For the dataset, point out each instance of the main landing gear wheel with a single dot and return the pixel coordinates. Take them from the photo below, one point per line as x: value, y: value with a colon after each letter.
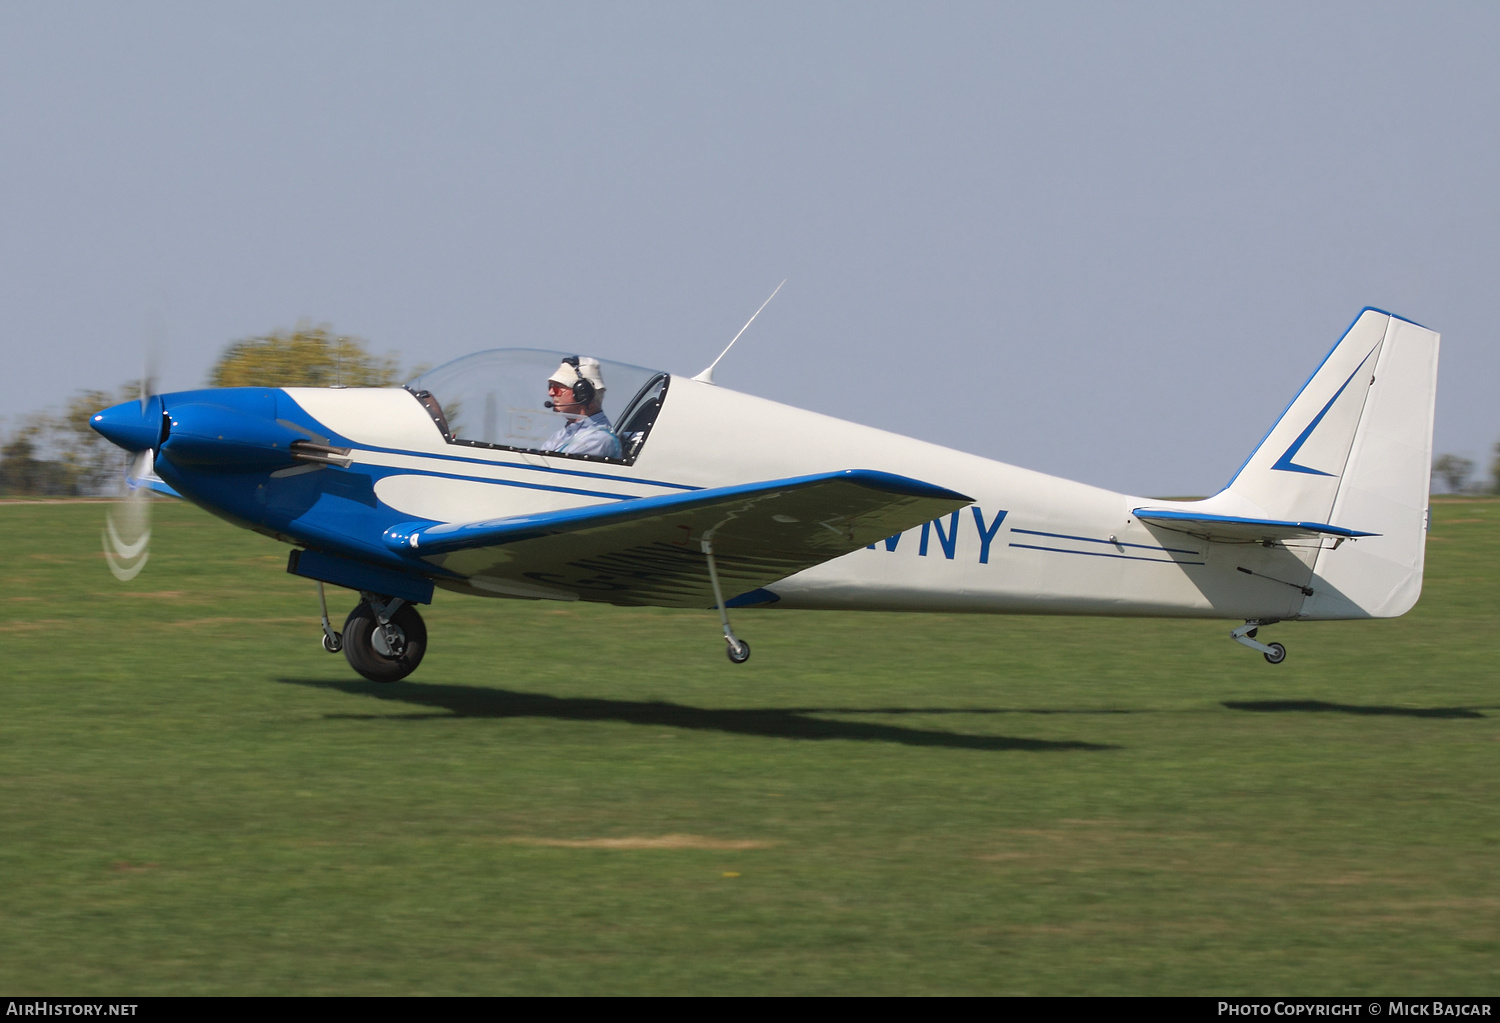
x: 384, y: 653
x: 738, y: 654
x: 1277, y: 654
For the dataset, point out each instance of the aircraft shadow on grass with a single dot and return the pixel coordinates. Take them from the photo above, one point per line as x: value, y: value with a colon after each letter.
x: 1372, y: 710
x: 769, y: 722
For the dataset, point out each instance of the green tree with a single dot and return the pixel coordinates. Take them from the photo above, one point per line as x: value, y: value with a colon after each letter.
x: 306, y: 357
x: 22, y: 472
x: 60, y: 454
x: 91, y: 462
x: 1453, y: 471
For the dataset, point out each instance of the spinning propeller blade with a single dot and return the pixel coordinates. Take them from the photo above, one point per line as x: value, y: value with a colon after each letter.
x: 127, y: 525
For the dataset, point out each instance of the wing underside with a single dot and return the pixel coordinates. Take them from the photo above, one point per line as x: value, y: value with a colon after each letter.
x: 650, y: 551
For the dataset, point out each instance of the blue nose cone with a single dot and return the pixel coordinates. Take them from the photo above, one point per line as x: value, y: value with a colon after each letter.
x: 130, y: 426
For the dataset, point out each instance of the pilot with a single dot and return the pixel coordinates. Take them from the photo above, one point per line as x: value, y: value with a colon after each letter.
x: 577, y: 391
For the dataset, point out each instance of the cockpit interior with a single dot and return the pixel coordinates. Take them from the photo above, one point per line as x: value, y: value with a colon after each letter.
x: 495, y: 399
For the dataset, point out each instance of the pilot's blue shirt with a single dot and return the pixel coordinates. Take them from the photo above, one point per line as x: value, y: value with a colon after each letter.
x: 592, y: 435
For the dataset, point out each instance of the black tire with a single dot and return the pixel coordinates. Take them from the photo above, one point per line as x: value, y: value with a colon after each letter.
x: 740, y: 656
x: 333, y: 644
x: 360, y: 649
x: 1277, y: 654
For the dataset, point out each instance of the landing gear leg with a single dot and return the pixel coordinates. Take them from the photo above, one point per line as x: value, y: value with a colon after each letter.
x: 1274, y: 653
x: 739, y: 650
x: 333, y: 641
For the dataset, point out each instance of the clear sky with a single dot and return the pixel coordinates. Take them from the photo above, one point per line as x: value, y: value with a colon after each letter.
x: 1106, y: 241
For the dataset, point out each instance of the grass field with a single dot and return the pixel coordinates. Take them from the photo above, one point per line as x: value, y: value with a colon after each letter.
x: 194, y: 798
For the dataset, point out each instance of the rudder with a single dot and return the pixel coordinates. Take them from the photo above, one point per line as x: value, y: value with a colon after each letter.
x: 1384, y: 487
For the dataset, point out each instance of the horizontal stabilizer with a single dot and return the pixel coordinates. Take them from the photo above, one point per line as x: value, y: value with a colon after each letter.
x: 1234, y: 529
x: 649, y: 550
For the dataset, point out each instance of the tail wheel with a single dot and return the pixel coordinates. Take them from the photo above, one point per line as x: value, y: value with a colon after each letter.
x: 1277, y: 654
x: 384, y: 653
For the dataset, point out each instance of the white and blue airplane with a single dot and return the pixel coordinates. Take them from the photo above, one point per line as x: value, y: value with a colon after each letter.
x: 720, y: 500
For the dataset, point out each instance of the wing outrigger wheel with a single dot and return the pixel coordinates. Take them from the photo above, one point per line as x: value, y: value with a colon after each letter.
x: 384, y: 641
x: 739, y: 650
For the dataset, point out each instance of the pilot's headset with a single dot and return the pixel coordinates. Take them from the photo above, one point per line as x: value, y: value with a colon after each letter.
x: 583, y: 387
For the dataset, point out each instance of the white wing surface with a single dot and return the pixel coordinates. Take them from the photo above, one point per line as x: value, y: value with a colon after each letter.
x: 649, y: 550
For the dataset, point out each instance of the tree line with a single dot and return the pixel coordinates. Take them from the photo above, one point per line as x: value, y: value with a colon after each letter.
x: 1455, y: 474
x: 56, y: 453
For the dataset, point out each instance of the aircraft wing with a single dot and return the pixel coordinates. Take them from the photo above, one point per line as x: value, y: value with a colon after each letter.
x: 1234, y: 529
x: 649, y: 550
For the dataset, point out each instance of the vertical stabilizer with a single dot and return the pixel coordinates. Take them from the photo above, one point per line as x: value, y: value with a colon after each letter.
x: 1353, y: 451
x: 1298, y: 469
x: 1384, y: 487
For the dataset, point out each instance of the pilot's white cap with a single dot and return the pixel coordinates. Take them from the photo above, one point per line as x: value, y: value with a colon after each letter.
x: 588, y: 368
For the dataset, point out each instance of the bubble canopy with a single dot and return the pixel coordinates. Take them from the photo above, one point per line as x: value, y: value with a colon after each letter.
x: 495, y: 399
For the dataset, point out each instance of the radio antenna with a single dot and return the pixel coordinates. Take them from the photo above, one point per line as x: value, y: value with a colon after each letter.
x: 707, y: 376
